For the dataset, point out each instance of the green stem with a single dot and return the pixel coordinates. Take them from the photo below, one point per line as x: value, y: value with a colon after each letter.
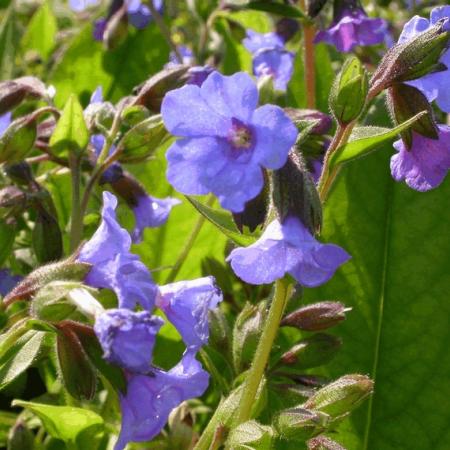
x: 256, y: 371
x: 189, y: 244
x: 76, y: 223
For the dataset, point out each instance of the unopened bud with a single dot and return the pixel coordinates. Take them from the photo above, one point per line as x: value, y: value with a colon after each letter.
x: 406, y: 102
x: 20, y: 437
x: 251, y: 435
x: 411, y: 59
x: 300, y: 423
x: 153, y: 90
x: 349, y: 91
x: 13, y: 92
x: 19, y: 172
x: 294, y: 193
x: 315, y: 122
x: 323, y: 443
x: 134, y: 114
x: 12, y: 197
x: 314, y: 351
x: 101, y: 113
x: 287, y: 28
x: 219, y: 330
x: 313, y: 7
x: 18, y: 139
x: 316, y: 317
x: 342, y: 396
x: 116, y: 29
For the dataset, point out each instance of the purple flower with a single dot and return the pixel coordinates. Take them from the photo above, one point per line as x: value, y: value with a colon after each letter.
x: 187, y: 57
x: 186, y: 305
x: 279, y: 64
x: 151, y: 212
x: 5, y: 121
x: 435, y: 86
x: 113, y: 265
x: 287, y: 248
x: 352, y: 27
x: 198, y: 74
x: 99, y: 29
x: 128, y: 338
x: 150, y: 398
x: 225, y: 141
x: 425, y: 165
x: 257, y: 41
x: 81, y: 5
x: 8, y: 281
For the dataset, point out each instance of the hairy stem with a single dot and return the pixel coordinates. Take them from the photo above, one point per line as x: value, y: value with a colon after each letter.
x: 189, y: 244
x: 261, y: 357
x: 76, y: 223
x: 309, y: 32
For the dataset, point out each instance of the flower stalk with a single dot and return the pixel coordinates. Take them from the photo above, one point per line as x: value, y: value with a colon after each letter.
x: 76, y: 225
x: 309, y: 32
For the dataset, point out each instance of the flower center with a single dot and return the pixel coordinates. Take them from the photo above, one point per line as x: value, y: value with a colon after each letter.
x: 240, y: 135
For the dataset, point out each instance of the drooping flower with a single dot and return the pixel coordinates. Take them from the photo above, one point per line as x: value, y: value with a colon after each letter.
x: 127, y: 338
x: 436, y: 85
x: 287, y: 248
x: 351, y: 27
x: 186, y: 305
x: 426, y: 164
x: 226, y: 141
x: 8, y: 281
x: 150, y: 398
x: 270, y: 57
x: 113, y: 265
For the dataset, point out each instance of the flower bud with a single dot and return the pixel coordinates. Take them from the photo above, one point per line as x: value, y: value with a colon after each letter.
x: 246, y: 334
x: 101, y: 113
x: 314, y: 351
x: 116, y: 29
x: 219, y: 330
x: 13, y: 92
x: 316, y: 317
x: 294, y: 193
x: 412, y: 59
x: 349, y: 91
x: 404, y: 103
x: 134, y: 114
x: 320, y: 122
x: 300, y: 424
x: 20, y: 437
x: 323, y: 443
x: 251, y: 435
x: 153, y: 90
x: 19, y: 172
x: 287, y: 27
x: 342, y: 396
x: 12, y: 197
x: 18, y: 139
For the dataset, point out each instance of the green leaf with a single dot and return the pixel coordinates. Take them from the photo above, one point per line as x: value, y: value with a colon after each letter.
x: 20, y: 355
x: 75, y: 426
x: 8, y: 44
x: 70, y: 132
x: 41, y: 32
x: 397, y: 285
x: 222, y: 220
x: 367, y: 139
x: 7, y: 237
x: 277, y: 8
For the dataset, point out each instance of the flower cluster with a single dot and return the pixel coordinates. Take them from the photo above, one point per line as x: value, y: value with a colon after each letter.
x: 351, y: 27
x: 270, y: 58
x: 128, y: 336
x: 226, y: 140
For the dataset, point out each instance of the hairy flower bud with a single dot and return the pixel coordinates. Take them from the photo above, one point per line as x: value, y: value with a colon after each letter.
x: 316, y: 317
x: 342, y: 396
x: 320, y: 122
x: 251, y: 435
x: 314, y: 351
x: 20, y: 437
x: 18, y: 139
x: 406, y: 102
x: 19, y: 172
x: 300, y: 423
x: 323, y: 443
x: 13, y: 92
x: 412, y: 59
x: 349, y: 91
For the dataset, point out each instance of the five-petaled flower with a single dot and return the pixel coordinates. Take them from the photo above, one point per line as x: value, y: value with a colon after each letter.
x: 226, y: 140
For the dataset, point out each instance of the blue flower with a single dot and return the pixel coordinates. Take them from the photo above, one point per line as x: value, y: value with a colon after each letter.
x: 186, y: 305
x: 113, y: 265
x: 127, y: 338
x: 226, y: 141
x: 352, y: 27
x: 8, y: 281
x: 5, y: 121
x: 198, y: 74
x: 150, y: 398
x: 81, y: 5
x: 187, y: 57
x: 426, y: 164
x: 435, y: 86
x: 258, y: 41
x: 287, y: 248
x: 150, y: 212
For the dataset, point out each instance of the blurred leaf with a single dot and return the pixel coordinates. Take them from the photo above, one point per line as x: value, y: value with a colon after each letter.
x: 7, y: 236
x: 8, y: 44
x: 367, y: 139
x: 20, y: 355
x: 7, y: 420
x: 75, y: 426
x: 71, y: 131
x: 397, y: 285
x: 280, y: 9
x: 41, y: 32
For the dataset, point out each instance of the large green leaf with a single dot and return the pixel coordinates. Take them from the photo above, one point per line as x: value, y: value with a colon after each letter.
x: 79, y: 428
x: 8, y: 44
x: 397, y: 284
